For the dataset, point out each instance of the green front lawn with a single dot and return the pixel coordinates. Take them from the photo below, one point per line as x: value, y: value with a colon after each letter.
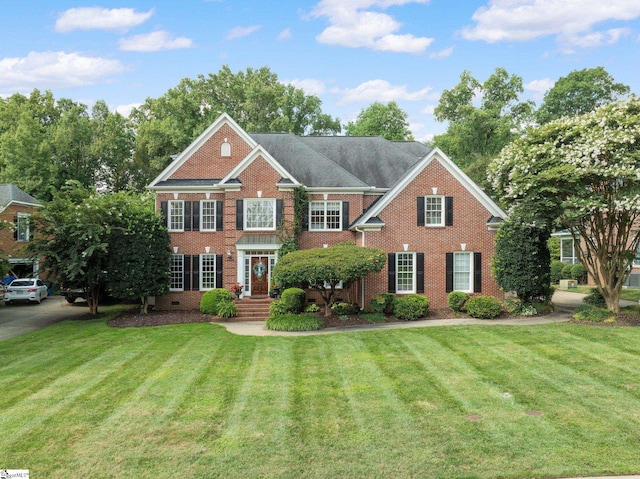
x: 80, y: 399
x: 629, y: 294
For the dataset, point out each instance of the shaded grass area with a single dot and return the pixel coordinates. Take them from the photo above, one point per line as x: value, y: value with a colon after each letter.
x: 443, y: 402
x: 629, y: 294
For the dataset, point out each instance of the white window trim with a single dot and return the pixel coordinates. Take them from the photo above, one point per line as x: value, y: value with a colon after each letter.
x: 22, y: 217
x: 340, y: 285
x: 442, y: 211
x: 324, y: 228
x: 413, y: 273
x: 470, y: 255
x: 246, y: 203
x: 177, y: 289
x: 202, y: 256
x: 170, y: 204
x: 215, y: 207
x: 573, y: 259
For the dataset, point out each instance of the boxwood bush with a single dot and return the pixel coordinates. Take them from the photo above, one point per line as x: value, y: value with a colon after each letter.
x: 411, y: 307
x: 278, y: 308
x: 566, y: 271
x: 294, y: 322
x: 294, y: 300
x: 212, y: 298
x: 579, y: 273
x: 383, y: 303
x: 345, y: 308
x: 556, y: 271
x: 484, y: 307
x: 457, y: 300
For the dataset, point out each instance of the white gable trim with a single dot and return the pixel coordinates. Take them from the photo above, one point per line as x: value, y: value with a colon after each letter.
x: 201, y: 140
x: 250, y: 158
x: 452, y: 168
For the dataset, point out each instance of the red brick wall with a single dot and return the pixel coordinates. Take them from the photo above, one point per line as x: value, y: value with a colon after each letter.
x: 8, y: 245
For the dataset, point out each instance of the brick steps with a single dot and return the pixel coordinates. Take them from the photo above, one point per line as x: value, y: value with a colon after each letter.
x: 253, y: 309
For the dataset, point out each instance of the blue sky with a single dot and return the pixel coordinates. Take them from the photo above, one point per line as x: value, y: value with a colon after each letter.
x: 350, y: 53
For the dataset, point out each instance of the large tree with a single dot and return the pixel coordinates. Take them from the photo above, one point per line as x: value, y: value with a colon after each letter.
x: 322, y: 269
x: 580, y: 92
x: 583, y: 172
x: 388, y: 121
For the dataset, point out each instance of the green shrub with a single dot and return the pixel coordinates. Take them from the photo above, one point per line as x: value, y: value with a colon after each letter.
x: 211, y: 299
x: 294, y: 322
x: 594, y: 298
x: 556, y: 271
x: 579, y: 273
x: 484, y: 307
x: 457, y: 299
x: 566, y: 271
x: 383, y: 303
x: 278, y: 308
x: 227, y: 309
x: 345, y: 308
x: 411, y: 307
x: 513, y: 306
x: 294, y: 300
x: 374, y: 317
x: 586, y: 312
x: 312, y: 308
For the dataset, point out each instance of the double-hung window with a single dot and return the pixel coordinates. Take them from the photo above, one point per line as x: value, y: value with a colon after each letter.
x: 260, y: 214
x: 325, y: 215
x: 176, y: 215
x: 434, y: 210
x: 22, y: 227
x: 462, y: 272
x: 568, y: 251
x: 177, y: 273
x: 207, y: 271
x: 405, y: 273
x: 207, y: 215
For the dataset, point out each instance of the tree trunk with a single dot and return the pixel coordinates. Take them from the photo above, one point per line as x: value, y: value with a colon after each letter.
x: 612, y: 298
x: 144, y: 309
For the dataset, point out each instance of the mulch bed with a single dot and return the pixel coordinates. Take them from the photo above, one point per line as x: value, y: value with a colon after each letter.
x: 624, y: 320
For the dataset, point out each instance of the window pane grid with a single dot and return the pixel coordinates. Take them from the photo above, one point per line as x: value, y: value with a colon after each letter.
x: 207, y: 271
x: 176, y: 215
x: 260, y: 214
x: 177, y: 272
x: 23, y: 227
x: 433, y: 210
x: 462, y: 271
x: 325, y: 215
x: 208, y: 215
x: 404, y: 272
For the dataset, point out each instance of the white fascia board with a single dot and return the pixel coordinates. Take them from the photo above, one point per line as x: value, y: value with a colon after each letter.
x: 250, y: 158
x: 197, y: 144
x: 23, y: 203
x: 341, y: 191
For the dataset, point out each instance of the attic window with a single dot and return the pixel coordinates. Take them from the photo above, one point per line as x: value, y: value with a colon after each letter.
x: 225, y: 148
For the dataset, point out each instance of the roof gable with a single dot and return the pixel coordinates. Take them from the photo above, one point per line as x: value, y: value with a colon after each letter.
x: 11, y: 194
x: 258, y: 152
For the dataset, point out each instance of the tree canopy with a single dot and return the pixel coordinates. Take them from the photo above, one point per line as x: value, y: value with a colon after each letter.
x: 388, y: 121
x: 322, y: 269
x: 584, y: 172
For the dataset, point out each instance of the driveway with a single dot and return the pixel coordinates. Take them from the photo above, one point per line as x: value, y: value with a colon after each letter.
x: 18, y: 319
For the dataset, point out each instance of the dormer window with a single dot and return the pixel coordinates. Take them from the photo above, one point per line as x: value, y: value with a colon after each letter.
x: 225, y: 148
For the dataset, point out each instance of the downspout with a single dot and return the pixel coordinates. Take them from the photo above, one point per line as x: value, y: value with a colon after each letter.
x: 362, y: 280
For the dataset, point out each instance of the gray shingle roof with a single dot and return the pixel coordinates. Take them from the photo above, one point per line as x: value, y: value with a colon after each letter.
x: 11, y: 193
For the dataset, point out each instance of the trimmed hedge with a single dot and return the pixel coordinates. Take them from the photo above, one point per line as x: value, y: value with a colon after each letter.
x: 294, y: 300
x: 566, y: 271
x: 556, y: 271
x: 411, y: 307
x: 484, y: 307
x: 457, y: 300
x: 383, y: 303
x: 294, y: 322
x: 212, y: 298
x: 579, y: 273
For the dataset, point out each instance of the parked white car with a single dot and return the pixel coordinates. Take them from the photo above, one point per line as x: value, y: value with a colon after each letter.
x: 26, y: 289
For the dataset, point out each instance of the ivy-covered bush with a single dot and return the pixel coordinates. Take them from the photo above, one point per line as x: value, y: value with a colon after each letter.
x: 213, y: 298
x: 383, y: 303
x: 484, y: 307
x: 516, y: 307
x: 556, y: 271
x: 411, y: 307
x: 278, y: 308
x: 294, y: 300
x: 566, y: 271
x: 294, y: 322
x: 594, y: 298
x: 579, y: 273
x: 345, y: 308
x: 227, y: 309
x: 457, y: 300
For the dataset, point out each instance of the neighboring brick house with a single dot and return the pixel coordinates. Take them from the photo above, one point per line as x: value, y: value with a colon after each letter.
x: 16, y: 207
x: 225, y: 195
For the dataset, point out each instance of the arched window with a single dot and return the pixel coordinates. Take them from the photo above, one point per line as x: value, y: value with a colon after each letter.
x: 225, y: 148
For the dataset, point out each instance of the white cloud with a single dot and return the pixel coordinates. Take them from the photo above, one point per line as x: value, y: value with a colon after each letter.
x: 571, y: 21
x: 154, y: 42
x: 354, y: 25
x: 442, y: 54
x: 428, y: 110
x: 125, y: 110
x: 55, y: 70
x: 540, y: 86
x: 382, y: 91
x: 240, y: 32
x: 284, y: 34
x: 310, y: 86
x: 97, y: 18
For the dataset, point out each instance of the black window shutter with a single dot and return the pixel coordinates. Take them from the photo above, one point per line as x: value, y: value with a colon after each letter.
x: 195, y: 211
x: 195, y: 273
x: 420, y: 210
x: 391, y: 266
x: 218, y: 271
x: 15, y: 228
x: 345, y: 215
x: 187, y: 215
x: 448, y: 211
x: 477, y: 272
x: 279, y: 212
x: 239, y: 215
x: 186, y: 264
x: 164, y: 212
x: 449, y: 275
x: 419, y: 272
x: 219, y: 216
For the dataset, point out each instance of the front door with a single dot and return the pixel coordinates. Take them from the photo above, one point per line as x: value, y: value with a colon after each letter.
x: 259, y: 275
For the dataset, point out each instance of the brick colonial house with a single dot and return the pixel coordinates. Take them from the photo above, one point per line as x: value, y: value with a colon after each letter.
x: 225, y: 195
x: 16, y: 207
